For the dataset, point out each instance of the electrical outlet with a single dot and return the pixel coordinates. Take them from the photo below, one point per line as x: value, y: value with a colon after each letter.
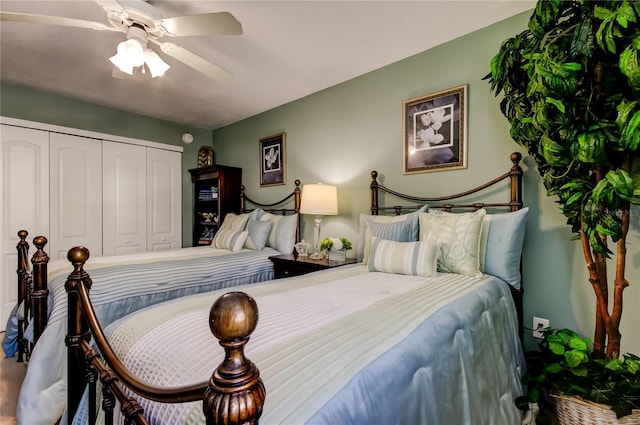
x: 538, y: 325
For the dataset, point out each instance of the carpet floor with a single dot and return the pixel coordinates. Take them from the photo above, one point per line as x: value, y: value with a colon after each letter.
x: 11, y: 377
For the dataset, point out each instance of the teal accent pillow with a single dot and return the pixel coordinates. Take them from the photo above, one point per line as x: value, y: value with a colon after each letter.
x: 282, y: 235
x: 459, y: 236
x: 408, y: 258
x: 501, y: 245
x: 258, y: 234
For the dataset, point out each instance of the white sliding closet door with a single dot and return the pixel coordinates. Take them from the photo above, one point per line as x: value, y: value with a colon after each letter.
x: 76, y: 194
x: 164, y: 197
x: 124, y: 198
x: 24, y: 184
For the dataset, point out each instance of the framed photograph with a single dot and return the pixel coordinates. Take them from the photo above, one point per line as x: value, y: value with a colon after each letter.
x: 273, y: 170
x: 435, y: 131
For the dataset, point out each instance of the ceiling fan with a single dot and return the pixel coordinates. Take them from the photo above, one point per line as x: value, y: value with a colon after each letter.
x: 143, y: 23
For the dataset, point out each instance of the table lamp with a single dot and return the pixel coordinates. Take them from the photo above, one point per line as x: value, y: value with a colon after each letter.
x: 319, y: 199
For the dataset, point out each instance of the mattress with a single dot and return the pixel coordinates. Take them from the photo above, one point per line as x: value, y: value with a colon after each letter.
x: 122, y: 285
x: 346, y: 346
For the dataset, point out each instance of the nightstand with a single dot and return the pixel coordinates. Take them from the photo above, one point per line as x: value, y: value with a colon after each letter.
x: 290, y: 265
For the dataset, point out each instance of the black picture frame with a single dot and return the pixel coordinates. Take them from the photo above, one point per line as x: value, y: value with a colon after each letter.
x: 273, y: 168
x: 435, y: 131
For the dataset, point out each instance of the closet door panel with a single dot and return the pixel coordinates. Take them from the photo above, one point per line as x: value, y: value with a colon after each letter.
x: 124, y: 198
x: 24, y: 183
x: 164, y: 195
x: 76, y: 194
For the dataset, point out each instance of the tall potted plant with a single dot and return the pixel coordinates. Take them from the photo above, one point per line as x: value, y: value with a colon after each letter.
x: 571, y: 86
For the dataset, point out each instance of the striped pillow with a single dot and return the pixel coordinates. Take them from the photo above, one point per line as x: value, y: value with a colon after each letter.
x: 258, y: 234
x: 398, y: 231
x: 409, y: 258
x: 232, y: 240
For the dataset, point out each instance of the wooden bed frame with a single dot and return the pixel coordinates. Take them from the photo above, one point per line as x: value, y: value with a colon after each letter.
x: 234, y: 393
x: 32, y: 284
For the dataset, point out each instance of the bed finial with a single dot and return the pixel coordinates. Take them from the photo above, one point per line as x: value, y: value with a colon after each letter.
x: 235, y: 394
x: 516, y: 157
x: 22, y: 234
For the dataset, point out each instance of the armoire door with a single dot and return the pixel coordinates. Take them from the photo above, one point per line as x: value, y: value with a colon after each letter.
x: 24, y: 184
x: 76, y: 194
x: 164, y: 199
x: 124, y: 191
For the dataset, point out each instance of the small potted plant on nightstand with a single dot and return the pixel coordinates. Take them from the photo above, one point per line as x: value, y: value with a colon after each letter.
x: 336, y: 248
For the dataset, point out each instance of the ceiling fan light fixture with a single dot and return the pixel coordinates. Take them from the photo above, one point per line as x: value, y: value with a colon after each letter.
x: 156, y: 65
x: 122, y: 63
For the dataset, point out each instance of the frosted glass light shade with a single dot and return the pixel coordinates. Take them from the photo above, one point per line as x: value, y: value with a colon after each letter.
x: 319, y: 199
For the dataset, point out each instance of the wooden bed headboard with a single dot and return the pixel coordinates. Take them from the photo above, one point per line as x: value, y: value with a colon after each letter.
x: 515, y: 202
x: 278, y: 207
x: 514, y: 176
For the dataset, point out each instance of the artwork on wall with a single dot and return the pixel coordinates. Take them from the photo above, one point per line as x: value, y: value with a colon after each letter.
x: 272, y: 160
x: 435, y: 131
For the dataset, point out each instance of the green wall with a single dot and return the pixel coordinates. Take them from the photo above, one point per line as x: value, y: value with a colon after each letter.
x: 340, y: 134
x: 31, y: 105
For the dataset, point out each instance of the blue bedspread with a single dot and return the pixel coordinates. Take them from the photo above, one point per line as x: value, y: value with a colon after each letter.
x: 348, y: 346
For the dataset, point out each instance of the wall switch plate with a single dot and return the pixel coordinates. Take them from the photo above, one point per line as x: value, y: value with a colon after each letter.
x: 538, y: 325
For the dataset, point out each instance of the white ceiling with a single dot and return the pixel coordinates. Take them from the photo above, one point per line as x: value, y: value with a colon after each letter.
x: 289, y: 50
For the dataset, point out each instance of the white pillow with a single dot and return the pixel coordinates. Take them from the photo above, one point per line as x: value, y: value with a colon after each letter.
x: 232, y: 240
x: 282, y: 235
x: 409, y: 258
x: 459, y: 235
x: 258, y: 234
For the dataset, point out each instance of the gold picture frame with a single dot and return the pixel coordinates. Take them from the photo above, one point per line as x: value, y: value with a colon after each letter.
x: 273, y: 168
x: 435, y: 131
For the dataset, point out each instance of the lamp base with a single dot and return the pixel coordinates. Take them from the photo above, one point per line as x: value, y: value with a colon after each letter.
x: 316, y: 256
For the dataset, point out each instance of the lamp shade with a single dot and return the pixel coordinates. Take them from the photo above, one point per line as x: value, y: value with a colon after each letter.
x: 319, y: 199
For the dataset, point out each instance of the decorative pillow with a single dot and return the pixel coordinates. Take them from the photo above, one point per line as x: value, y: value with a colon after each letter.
x: 258, y: 234
x: 410, y: 258
x: 256, y: 214
x: 501, y: 245
x: 398, y: 231
x: 459, y: 235
x: 364, y: 237
x: 232, y: 240
x: 235, y: 222
x: 282, y: 235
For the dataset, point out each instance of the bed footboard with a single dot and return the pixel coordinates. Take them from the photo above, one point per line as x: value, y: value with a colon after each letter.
x: 32, y: 292
x: 234, y: 395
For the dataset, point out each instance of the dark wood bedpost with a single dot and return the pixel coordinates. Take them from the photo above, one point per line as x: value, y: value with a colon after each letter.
x: 77, y: 329
x: 374, y: 192
x: 515, y: 174
x: 40, y: 292
x: 23, y: 291
x: 297, y: 198
x: 235, y: 394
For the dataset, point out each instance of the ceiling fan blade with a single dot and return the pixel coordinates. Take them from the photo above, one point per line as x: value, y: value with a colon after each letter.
x: 194, y: 61
x: 54, y: 20
x: 112, y: 7
x: 220, y: 23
